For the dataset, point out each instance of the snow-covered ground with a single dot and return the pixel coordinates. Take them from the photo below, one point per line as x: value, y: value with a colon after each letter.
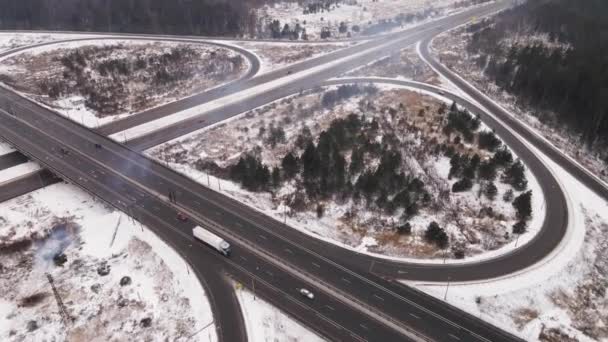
x: 9, y: 40
x: 17, y: 171
x: 278, y: 55
x: 241, y: 134
x: 266, y: 323
x: 5, y: 148
x: 562, y: 298
x: 189, y: 69
x: 161, y: 299
x: 361, y: 13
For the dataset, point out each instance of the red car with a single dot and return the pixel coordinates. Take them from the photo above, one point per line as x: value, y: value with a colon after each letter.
x: 182, y: 217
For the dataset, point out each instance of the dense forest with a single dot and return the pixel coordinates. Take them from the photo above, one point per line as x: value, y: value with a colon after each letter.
x: 198, y: 17
x: 562, y: 66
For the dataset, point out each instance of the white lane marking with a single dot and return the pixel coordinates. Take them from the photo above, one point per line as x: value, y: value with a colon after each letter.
x: 375, y: 295
x: 363, y: 326
x: 346, y: 280
x: 262, y: 236
x: 242, y: 257
x: 454, y: 337
x: 415, y: 316
x: 288, y: 250
x: 316, y: 265
x: 330, y: 308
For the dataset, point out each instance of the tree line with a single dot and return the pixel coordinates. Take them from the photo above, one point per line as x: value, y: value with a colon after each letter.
x: 196, y: 17
x: 568, y: 76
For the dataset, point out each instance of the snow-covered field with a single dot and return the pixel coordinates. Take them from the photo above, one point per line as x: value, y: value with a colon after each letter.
x: 160, y: 299
x: 278, y: 55
x: 266, y: 323
x: 564, y: 297
x: 189, y: 153
x: 96, y: 82
x: 366, y: 14
x: 9, y: 40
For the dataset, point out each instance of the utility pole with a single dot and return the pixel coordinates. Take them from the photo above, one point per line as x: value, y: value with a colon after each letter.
x: 445, y: 296
x: 63, y: 312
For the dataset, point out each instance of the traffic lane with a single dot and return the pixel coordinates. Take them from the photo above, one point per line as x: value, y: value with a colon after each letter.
x: 128, y: 200
x: 400, y: 41
x: 377, y: 297
x: 338, y: 319
x: 77, y: 172
x: 216, y: 213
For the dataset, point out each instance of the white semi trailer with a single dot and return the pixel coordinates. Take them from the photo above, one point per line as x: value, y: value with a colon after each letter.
x: 212, y: 240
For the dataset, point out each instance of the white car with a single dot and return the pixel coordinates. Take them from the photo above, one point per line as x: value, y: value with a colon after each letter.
x: 304, y: 292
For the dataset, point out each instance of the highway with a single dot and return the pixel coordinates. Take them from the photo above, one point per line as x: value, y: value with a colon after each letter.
x: 101, y: 174
x: 387, y: 309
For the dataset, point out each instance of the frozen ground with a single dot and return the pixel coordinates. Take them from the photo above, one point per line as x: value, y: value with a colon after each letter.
x: 404, y: 65
x: 564, y: 297
x: 266, y: 323
x: 95, y: 82
x: 370, y: 16
x: 17, y: 171
x: 277, y: 55
x: 9, y: 41
x: 190, y: 154
x: 5, y: 148
x: 160, y: 300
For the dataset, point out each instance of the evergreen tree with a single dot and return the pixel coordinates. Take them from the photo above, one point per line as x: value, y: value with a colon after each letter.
x: 435, y: 234
x: 515, y: 176
x: 276, y: 177
x: 490, y: 190
x: 290, y: 165
x: 523, y: 205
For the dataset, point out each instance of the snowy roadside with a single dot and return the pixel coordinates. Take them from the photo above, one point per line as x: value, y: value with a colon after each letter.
x: 356, y: 18
x: 266, y: 323
x: 559, y: 299
x: 118, y: 279
x: 10, y: 40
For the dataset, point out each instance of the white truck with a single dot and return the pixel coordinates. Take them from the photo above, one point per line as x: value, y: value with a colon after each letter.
x: 212, y: 240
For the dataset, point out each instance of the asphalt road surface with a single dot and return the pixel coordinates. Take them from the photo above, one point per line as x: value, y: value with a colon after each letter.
x: 387, y: 304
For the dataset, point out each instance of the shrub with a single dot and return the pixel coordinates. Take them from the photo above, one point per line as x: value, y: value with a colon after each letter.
x: 435, y: 234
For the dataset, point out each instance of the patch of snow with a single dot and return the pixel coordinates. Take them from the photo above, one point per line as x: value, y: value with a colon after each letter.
x: 162, y: 286
x: 535, y: 288
x: 5, y: 148
x: 18, y: 171
x: 266, y: 323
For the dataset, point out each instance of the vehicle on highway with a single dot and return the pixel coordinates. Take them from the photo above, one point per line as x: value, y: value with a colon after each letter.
x: 98, y: 146
x: 441, y: 92
x: 182, y: 217
x: 212, y: 240
x: 306, y: 293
